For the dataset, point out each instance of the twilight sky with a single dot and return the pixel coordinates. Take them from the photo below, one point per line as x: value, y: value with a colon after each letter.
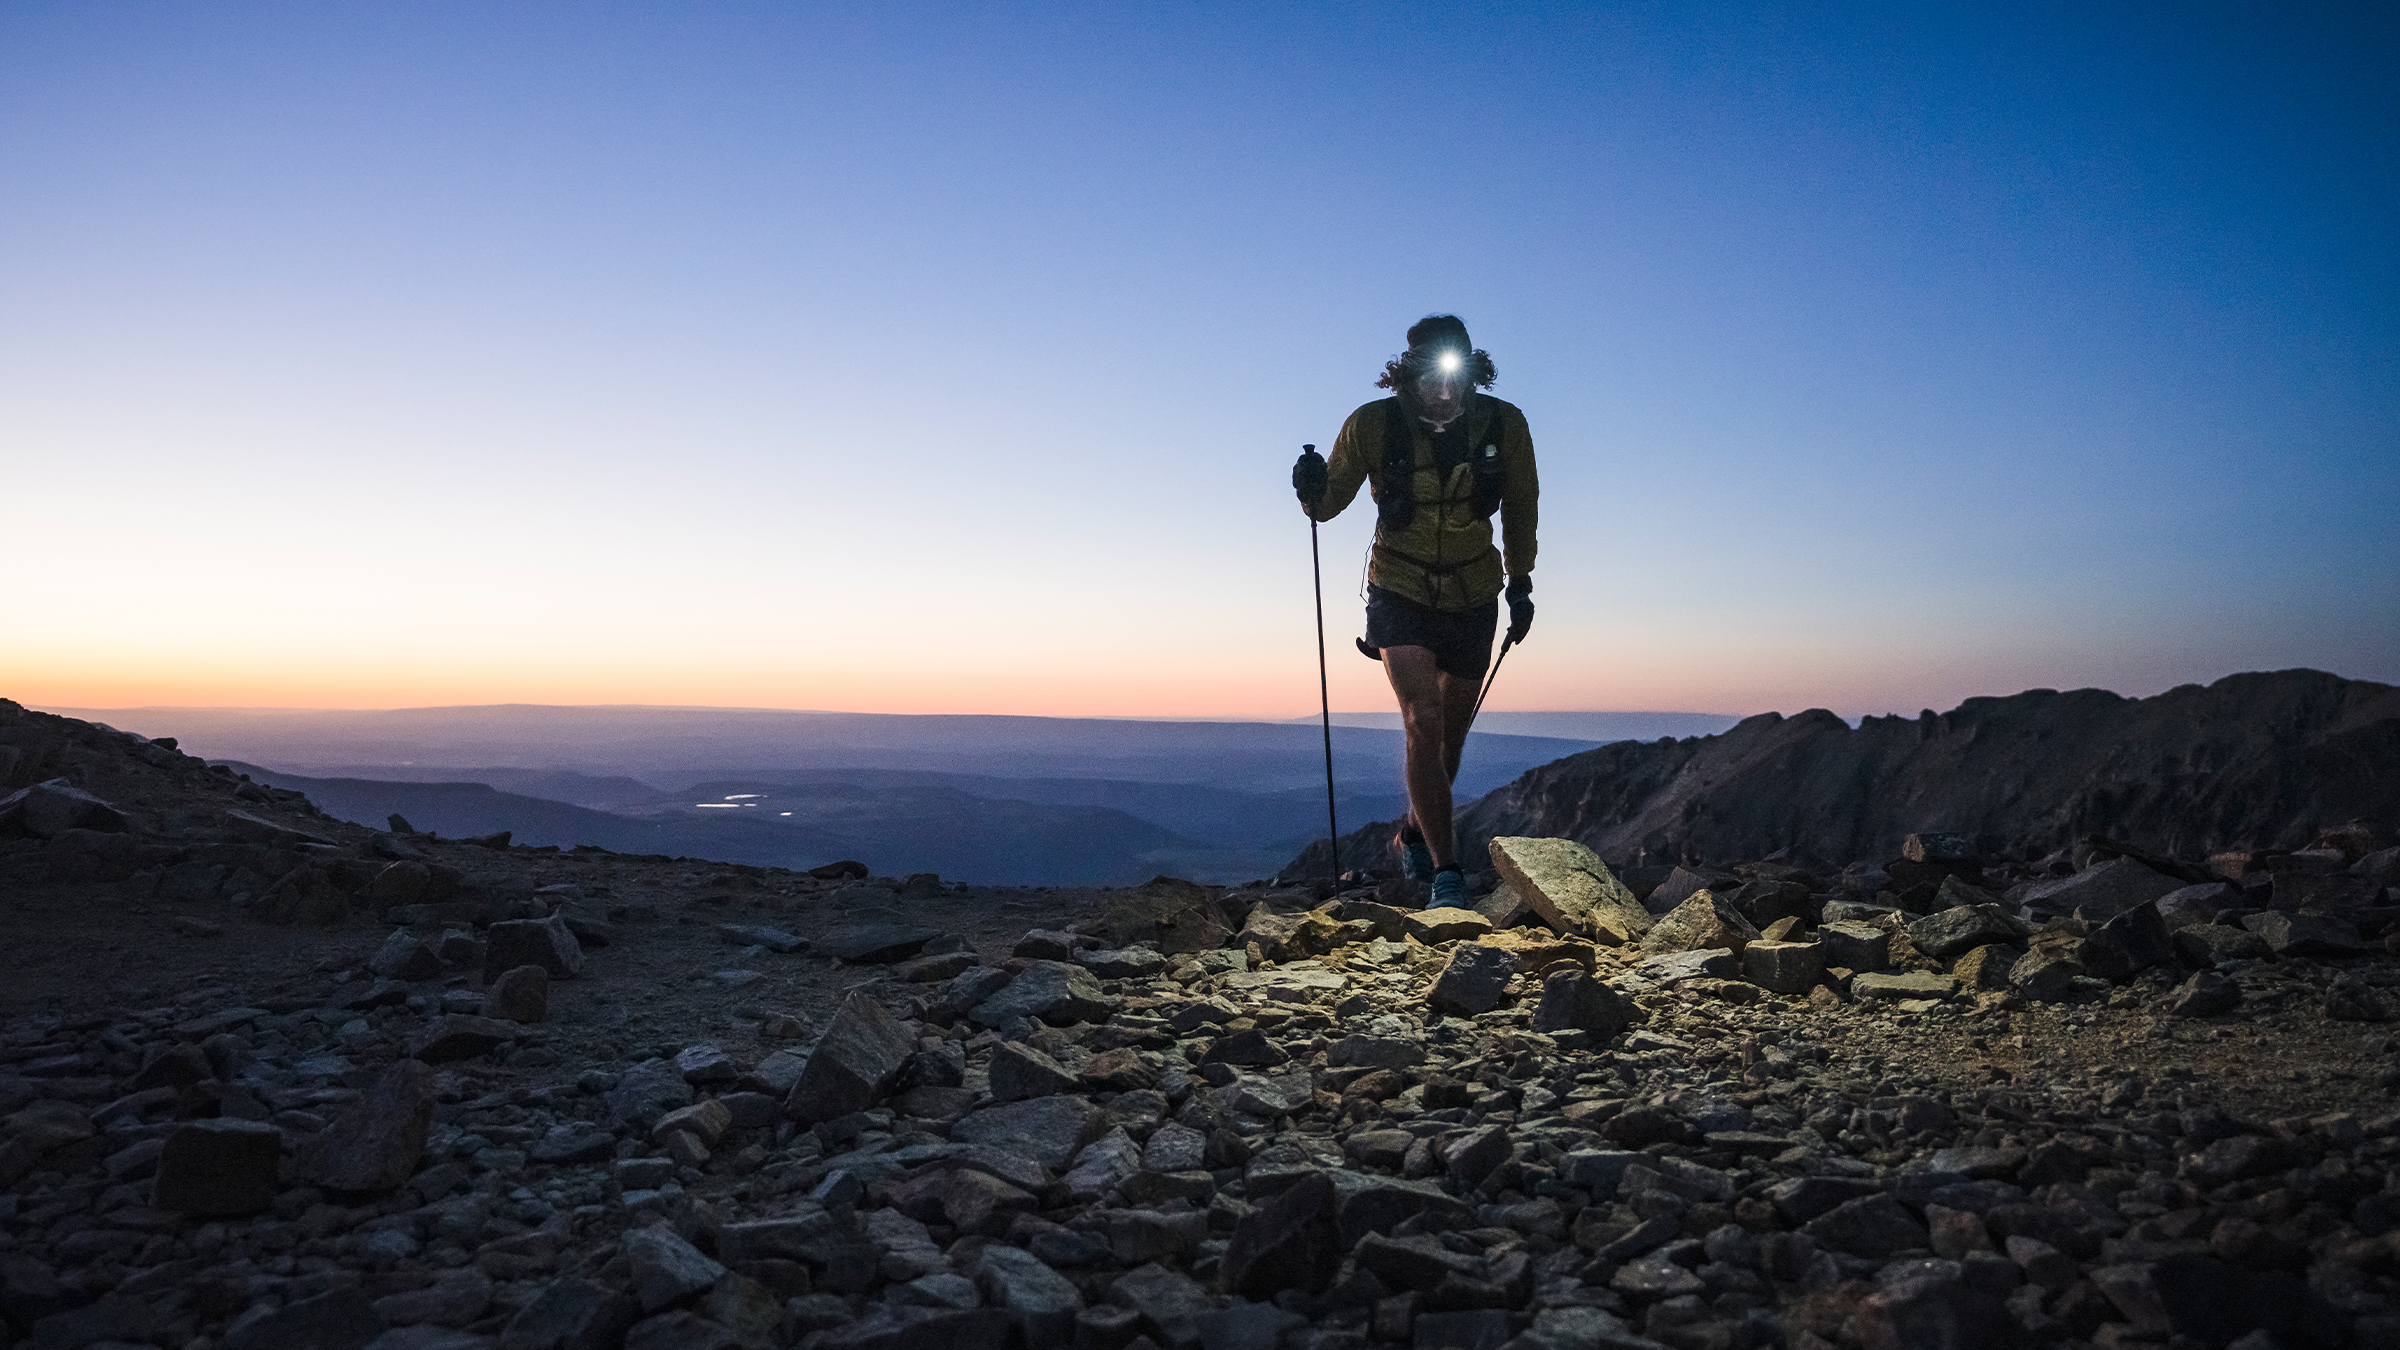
x: 912, y: 358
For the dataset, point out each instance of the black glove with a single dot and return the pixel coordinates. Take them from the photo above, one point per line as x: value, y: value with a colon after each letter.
x: 1308, y: 476
x: 1520, y: 607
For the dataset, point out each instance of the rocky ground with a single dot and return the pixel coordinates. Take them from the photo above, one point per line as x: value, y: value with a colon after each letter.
x: 271, y: 1080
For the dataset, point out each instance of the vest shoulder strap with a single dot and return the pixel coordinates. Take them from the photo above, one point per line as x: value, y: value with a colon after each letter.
x: 1491, y: 472
x: 1397, y: 506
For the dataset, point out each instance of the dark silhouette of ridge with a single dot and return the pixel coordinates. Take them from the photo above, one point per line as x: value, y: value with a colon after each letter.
x: 2261, y: 760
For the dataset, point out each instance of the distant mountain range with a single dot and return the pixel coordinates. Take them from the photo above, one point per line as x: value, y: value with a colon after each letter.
x: 1597, y: 727
x: 682, y: 745
x: 898, y: 830
x: 999, y: 800
x: 2252, y: 761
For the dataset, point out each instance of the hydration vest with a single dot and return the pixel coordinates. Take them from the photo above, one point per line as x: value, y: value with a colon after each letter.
x: 1397, y: 507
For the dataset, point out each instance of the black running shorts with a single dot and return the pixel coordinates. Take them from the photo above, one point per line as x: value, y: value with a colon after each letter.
x: 1461, y: 639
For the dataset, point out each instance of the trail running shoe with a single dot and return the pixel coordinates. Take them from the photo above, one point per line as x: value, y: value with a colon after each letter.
x: 1416, y: 860
x: 1449, y: 889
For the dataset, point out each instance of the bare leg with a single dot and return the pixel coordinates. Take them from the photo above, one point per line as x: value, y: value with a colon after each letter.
x: 1434, y: 711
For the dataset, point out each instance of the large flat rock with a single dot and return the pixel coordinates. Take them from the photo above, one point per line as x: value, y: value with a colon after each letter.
x: 1570, y: 888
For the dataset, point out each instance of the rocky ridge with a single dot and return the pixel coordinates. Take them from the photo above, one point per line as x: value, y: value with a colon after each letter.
x: 341, y: 1087
x: 2254, y: 761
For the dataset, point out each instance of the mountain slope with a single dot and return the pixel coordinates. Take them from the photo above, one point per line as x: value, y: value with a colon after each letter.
x: 2253, y: 760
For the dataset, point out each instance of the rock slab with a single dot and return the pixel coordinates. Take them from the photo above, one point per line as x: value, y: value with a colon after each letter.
x: 547, y: 943
x: 376, y: 1144
x: 1570, y: 888
x: 853, y: 1065
x: 218, y: 1168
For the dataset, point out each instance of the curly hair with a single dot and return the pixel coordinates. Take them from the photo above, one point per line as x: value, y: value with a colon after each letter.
x: 1428, y: 338
x: 1401, y: 372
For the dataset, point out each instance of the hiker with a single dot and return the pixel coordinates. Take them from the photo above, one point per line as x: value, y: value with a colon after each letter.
x: 1439, y: 458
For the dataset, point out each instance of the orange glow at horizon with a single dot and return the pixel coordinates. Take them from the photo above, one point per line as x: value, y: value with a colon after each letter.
x: 1567, y: 676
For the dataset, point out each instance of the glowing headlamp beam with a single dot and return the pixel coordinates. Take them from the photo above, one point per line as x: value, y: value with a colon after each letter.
x: 1448, y: 363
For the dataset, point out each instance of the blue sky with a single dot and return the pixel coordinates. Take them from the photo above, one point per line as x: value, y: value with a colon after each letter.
x: 908, y: 358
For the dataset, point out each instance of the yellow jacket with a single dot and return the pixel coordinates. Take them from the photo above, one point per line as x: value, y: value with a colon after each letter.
x: 1445, y: 557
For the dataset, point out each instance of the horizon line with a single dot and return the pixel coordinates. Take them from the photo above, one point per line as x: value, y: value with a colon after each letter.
x: 67, y: 709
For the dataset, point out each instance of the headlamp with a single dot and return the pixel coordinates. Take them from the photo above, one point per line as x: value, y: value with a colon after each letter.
x: 1449, y: 361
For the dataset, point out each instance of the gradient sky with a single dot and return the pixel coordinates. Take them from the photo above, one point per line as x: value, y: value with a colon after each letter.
x: 951, y: 359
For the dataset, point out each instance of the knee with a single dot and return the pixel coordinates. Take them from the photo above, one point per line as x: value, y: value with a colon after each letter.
x: 1424, y: 723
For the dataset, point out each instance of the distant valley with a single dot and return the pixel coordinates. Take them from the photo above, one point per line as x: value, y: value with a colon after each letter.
x: 997, y: 800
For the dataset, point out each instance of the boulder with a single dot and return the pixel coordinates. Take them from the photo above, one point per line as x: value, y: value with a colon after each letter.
x: 1681, y: 884
x: 457, y: 1036
x: 704, y: 1121
x: 547, y: 943
x: 1855, y: 946
x: 1289, y: 935
x: 404, y: 956
x: 1707, y: 963
x: 1702, y: 921
x: 1570, y: 888
x: 1101, y: 1165
x: 1436, y: 926
x: 853, y: 1064
x: 1018, y: 1071
x: 1949, y: 932
x: 1041, y: 1303
x: 1954, y: 893
x: 2318, y: 936
x: 1118, y: 1070
x: 1049, y: 1130
x: 1380, y: 1052
x: 1987, y: 967
x: 49, y: 809
x: 876, y: 944
x: 1913, y: 985
x: 1292, y: 1241
x: 1250, y: 1048
x: 2100, y: 892
x: 1383, y: 920
x: 966, y: 989
x: 218, y: 1168
x: 1572, y: 1000
x: 375, y: 1144
x: 2049, y: 969
x: 1871, y: 1226
x: 1268, y: 1095
x: 664, y: 1268
x: 1046, y: 991
x: 1784, y: 967
x: 519, y: 995
x: 1506, y: 907
x: 1125, y: 963
x: 2133, y: 941
x: 644, y: 1093
x: 1473, y: 981
x: 2199, y: 904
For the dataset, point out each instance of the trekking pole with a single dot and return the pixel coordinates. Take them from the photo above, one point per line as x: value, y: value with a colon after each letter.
x: 1489, y: 676
x: 1316, y: 573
